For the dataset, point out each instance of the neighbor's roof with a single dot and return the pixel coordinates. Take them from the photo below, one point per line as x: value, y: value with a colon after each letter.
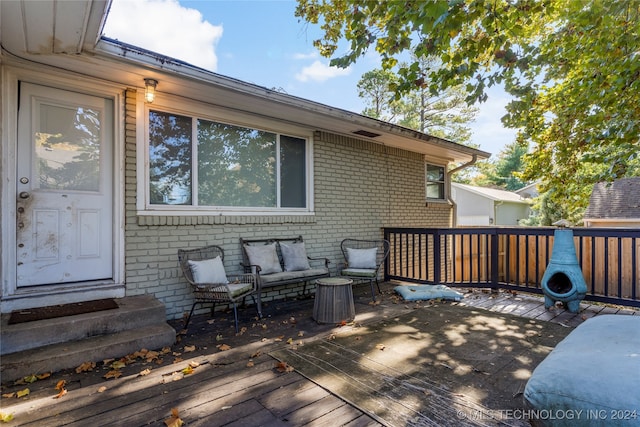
x: 620, y: 199
x: 492, y: 193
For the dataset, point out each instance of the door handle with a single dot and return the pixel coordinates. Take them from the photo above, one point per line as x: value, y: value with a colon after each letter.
x: 24, y: 195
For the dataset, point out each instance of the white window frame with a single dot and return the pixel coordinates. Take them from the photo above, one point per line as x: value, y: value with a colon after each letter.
x: 190, y: 108
x: 427, y: 181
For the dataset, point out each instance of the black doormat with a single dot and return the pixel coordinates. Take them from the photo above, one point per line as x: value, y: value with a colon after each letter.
x: 53, y: 311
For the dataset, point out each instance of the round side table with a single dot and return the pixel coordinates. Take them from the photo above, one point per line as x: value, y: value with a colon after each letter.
x: 334, y: 301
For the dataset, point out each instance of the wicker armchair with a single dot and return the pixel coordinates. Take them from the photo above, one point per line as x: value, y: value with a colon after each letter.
x: 238, y: 287
x: 363, y: 259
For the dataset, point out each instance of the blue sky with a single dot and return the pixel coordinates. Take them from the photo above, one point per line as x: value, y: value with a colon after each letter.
x: 262, y: 42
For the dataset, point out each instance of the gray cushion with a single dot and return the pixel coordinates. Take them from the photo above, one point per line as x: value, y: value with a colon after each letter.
x: 292, y: 275
x: 265, y: 256
x: 594, y: 372
x: 362, y: 258
x: 294, y: 256
x: 359, y: 272
x: 208, y: 271
x: 427, y: 292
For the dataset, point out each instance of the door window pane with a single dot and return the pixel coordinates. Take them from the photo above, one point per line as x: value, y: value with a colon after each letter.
x: 67, y: 148
x: 169, y: 159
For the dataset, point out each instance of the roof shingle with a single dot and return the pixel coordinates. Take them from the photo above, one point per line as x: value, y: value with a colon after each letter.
x: 620, y: 199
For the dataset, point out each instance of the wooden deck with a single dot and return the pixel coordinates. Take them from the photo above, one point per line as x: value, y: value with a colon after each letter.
x: 240, y: 386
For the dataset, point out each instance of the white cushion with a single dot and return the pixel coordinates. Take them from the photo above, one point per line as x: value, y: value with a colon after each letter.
x: 362, y: 258
x: 265, y: 256
x: 208, y: 271
x: 294, y: 256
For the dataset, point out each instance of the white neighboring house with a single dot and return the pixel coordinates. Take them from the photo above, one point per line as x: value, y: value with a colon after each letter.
x: 529, y: 192
x: 482, y: 206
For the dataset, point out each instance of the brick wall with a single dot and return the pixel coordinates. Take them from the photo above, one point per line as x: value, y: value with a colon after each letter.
x: 360, y: 187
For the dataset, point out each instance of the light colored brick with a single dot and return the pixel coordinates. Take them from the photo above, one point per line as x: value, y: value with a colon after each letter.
x: 360, y: 187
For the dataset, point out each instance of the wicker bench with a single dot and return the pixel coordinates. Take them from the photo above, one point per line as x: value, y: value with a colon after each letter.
x: 281, y: 261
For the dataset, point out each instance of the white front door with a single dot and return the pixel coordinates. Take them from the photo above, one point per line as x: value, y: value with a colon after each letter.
x: 64, y: 230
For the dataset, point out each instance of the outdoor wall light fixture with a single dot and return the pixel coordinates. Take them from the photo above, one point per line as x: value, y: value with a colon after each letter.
x: 150, y: 90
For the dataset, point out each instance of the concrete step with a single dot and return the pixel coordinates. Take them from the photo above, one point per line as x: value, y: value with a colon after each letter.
x: 55, y: 357
x: 133, y: 312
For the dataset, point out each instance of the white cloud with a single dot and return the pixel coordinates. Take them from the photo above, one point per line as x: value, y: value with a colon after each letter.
x: 320, y: 72
x: 311, y: 55
x: 165, y: 27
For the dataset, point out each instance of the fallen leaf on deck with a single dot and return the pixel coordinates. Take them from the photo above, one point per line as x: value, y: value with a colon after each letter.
x: 23, y: 393
x: 86, y: 366
x: 300, y: 333
x: 250, y: 364
x: 43, y: 376
x: 102, y: 389
x: 112, y: 374
x: 5, y: 418
x: 175, y: 420
x: 380, y: 346
x: 118, y: 364
x: 284, y: 367
x: 145, y: 372
x: 30, y: 379
x: 9, y: 395
x: 290, y: 341
x: 60, y: 385
x: 62, y: 393
x: 280, y: 338
x: 187, y: 371
x: 256, y: 354
x: 189, y: 348
x: 223, y: 347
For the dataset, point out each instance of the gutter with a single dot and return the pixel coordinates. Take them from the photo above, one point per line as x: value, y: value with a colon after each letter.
x: 471, y: 162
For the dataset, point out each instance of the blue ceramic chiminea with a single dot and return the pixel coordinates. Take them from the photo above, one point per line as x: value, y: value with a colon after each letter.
x: 563, y: 280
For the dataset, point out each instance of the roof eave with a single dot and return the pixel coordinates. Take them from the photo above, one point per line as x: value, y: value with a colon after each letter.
x: 168, y: 66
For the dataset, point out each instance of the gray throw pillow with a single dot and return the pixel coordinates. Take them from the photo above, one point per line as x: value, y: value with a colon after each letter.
x: 362, y: 258
x: 295, y: 256
x: 265, y: 256
x: 209, y: 271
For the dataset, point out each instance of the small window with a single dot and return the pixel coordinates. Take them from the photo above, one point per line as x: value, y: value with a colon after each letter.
x: 435, y: 181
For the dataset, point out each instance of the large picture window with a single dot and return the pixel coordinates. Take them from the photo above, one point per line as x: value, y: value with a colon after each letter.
x: 435, y: 182
x: 204, y: 163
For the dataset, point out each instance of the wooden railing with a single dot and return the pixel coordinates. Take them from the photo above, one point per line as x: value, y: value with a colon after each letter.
x: 515, y: 258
